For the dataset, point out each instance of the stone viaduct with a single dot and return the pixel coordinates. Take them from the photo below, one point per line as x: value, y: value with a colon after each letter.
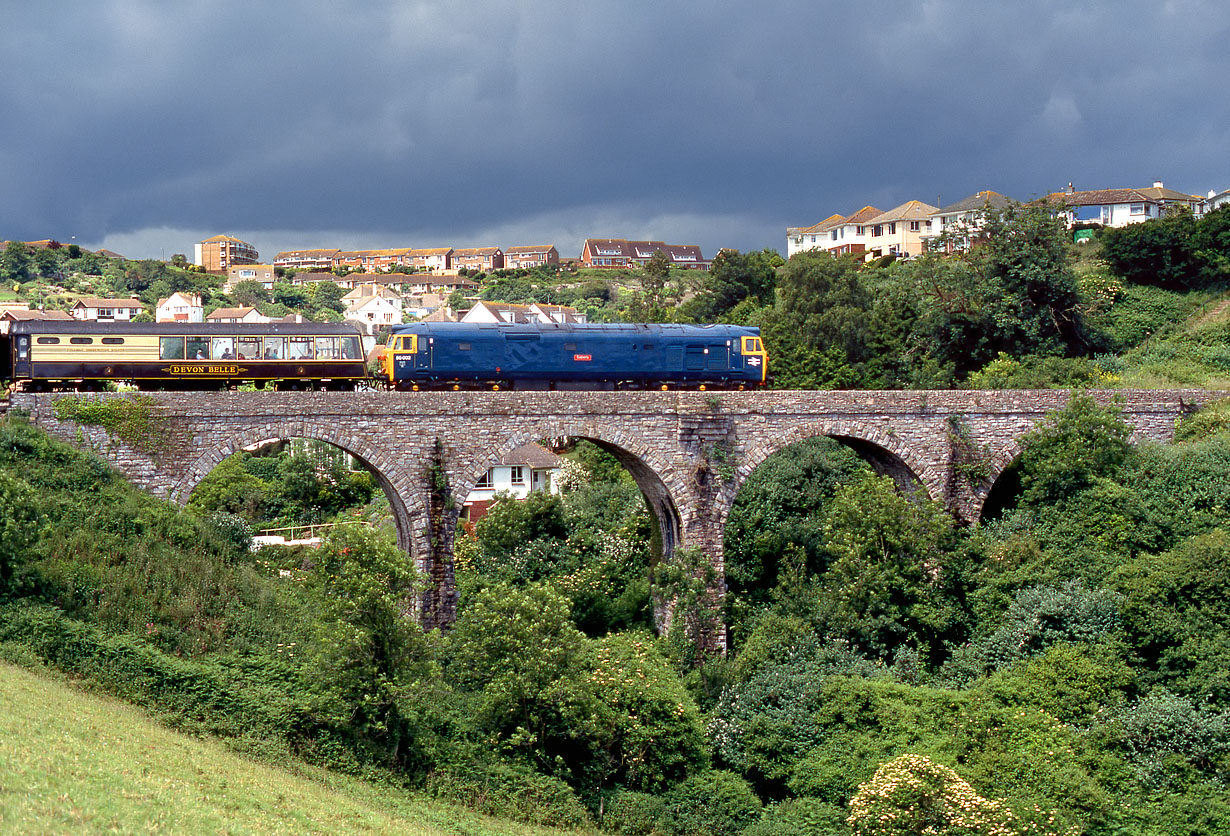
x: 689, y: 451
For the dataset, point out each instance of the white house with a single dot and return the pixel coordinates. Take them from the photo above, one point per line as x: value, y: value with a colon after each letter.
x: 504, y: 313
x: 525, y: 469
x: 106, y: 310
x: 180, y: 307
x: 234, y: 315
x: 373, y: 307
x: 963, y: 219
x: 1118, y: 207
x: 263, y: 273
x: 836, y: 234
x: 1215, y: 200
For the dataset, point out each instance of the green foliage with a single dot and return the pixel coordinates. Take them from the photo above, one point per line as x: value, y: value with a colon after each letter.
x: 132, y: 418
x: 656, y: 737
x: 511, y: 792
x: 710, y: 804
x: 818, y: 334
x: 883, y: 587
x: 1171, y: 740
x: 1210, y: 420
x: 1156, y: 252
x: 780, y: 505
x: 21, y: 524
x: 633, y: 813
x: 1072, y: 448
x: 1006, y: 372
x: 523, y: 666
x: 377, y: 667
x: 733, y: 279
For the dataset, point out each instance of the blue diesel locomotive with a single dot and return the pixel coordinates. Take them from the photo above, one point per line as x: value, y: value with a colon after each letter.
x: 464, y: 355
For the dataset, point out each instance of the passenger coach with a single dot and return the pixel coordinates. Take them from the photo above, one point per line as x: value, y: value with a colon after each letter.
x: 460, y: 355
x: 52, y: 354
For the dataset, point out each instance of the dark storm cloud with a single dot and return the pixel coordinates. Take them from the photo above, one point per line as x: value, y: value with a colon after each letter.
x: 427, y: 123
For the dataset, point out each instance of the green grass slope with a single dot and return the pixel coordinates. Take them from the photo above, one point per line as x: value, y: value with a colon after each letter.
x: 72, y: 762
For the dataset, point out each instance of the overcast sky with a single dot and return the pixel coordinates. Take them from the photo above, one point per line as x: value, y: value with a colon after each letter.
x: 144, y: 126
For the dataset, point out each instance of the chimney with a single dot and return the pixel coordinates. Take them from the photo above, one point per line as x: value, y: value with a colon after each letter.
x: 1070, y: 189
x: 1212, y: 192
x: 1157, y: 184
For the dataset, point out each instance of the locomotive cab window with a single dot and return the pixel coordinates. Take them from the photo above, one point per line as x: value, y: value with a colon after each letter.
x: 170, y: 348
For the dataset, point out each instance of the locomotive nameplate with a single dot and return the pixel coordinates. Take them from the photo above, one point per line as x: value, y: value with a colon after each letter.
x: 583, y: 358
x: 203, y: 368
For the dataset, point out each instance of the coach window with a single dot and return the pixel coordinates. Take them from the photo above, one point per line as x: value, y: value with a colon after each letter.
x: 198, y: 348
x: 348, y: 348
x: 48, y: 341
x: 249, y: 348
x: 81, y: 340
x: 170, y: 348
x: 275, y: 348
x: 222, y: 348
x: 326, y: 348
x: 299, y: 348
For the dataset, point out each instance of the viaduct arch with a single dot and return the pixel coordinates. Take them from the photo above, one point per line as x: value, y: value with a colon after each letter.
x: 689, y: 452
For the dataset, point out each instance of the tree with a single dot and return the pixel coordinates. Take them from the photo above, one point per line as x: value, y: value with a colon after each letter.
x: 1074, y: 447
x: 15, y: 262
x: 525, y: 668
x: 378, y: 663
x: 1157, y: 252
x: 1030, y: 290
x: 735, y: 277
x: 20, y: 525
x: 657, y: 273
x: 818, y: 333
x: 883, y: 589
x: 250, y: 292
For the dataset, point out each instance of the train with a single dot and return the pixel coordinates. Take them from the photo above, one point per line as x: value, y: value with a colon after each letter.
x: 463, y: 355
x: 55, y: 355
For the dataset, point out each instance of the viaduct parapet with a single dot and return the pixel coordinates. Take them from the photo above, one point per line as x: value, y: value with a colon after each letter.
x: 689, y: 451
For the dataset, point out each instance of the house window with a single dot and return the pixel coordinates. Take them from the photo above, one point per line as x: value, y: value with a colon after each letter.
x: 915, y: 226
x: 892, y: 229
x: 516, y: 474
x: 877, y: 231
x: 484, y: 481
x: 1139, y: 209
x: 833, y: 235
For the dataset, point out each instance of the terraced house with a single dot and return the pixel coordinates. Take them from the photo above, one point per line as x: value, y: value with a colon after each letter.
x: 621, y: 254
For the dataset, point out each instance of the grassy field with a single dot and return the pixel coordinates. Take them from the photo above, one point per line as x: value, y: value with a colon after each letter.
x: 72, y: 762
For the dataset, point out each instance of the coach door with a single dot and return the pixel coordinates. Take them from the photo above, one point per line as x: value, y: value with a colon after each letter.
x: 21, y: 355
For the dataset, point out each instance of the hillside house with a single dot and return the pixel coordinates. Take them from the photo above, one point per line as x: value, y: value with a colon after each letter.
x: 531, y: 256
x: 478, y: 259
x: 900, y: 230
x: 1117, y: 207
x: 526, y: 469
x: 180, y: 307
x: 621, y: 254
x: 373, y: 307
x: 89, y: 309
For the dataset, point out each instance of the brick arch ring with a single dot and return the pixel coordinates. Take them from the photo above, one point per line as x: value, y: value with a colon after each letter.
x: 928, y: 477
